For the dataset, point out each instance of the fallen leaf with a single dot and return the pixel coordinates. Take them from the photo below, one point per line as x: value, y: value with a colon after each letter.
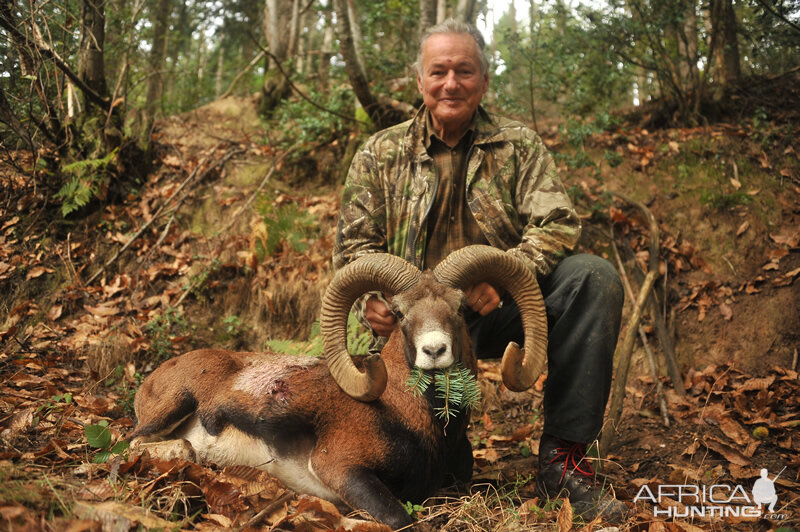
x: 35, y: 272
x: 54, y: 313
x: 729, y: 453
x: 742, y: 228
x: 102, y: 310
x: 565, y: 517
x: 13, y: 221
x: 490, y: 456
x: 727, y: 312
x: 736, y: 183
x: 120, y: 516
x: 757, y: 383
x: 733, y: 430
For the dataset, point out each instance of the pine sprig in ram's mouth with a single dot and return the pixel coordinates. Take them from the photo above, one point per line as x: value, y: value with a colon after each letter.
x: 455, y: 385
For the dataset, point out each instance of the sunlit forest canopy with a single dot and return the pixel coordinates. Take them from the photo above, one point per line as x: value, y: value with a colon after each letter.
x: 82, y: 79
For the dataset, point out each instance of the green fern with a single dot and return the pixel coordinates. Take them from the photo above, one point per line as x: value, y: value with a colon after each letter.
x: 85, y: 182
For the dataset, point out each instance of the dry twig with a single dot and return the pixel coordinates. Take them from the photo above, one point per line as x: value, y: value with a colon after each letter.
x: 623, y: 354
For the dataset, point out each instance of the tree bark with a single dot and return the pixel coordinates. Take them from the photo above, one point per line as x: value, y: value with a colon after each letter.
x: 466, y: 11
x: 726, y: 67
x: 275, y: 87
x: 91, y: 68
x: 441, y: 11
x: 220, y: 70
x: 327, y: 51
x: 353, y: 65
x: 157, y: 60
x: 427, y: 14
x: 687, y: 46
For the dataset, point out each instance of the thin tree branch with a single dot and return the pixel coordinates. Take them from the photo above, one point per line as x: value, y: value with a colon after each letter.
x: 48, y: 52
x: 241, y: 74
x: 776, y: 14
x: 301, y: 93
x: 662, y: 402
x: 158, y: 212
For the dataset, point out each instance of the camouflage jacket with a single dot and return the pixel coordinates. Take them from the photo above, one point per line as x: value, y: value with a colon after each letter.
x: 513, y: 190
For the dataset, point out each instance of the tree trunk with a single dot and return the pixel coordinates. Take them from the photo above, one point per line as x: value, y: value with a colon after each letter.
x: 466, y: 11
x: 427, y: 14
x: 353, y: 65
x: 157, y: 60
x: 327, y: 51
x: 726, y: 67
x: 90, y: 50
x: 294, y: 29
x: 441, y: 11
x: 687, y: 46
x: 275, y: 87
x: 220, y: 70
x: 355, y: 31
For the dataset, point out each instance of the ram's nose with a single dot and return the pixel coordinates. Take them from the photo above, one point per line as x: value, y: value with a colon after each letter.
x: 434, y: 351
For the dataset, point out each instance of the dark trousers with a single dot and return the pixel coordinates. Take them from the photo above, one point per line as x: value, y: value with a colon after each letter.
x: 583, y: 296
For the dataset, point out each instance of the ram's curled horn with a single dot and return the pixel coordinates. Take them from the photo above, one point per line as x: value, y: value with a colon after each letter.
x: 473, y: 264
x: 373, y: 272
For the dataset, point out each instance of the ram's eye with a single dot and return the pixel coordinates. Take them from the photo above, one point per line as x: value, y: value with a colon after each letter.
x: 398, y: 315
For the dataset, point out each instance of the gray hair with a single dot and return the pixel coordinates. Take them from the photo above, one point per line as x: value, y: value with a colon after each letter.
x: 452, y: 25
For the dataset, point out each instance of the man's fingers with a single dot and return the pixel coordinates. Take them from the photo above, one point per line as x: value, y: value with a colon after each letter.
x: 380, y: 317
x: 482, y: 298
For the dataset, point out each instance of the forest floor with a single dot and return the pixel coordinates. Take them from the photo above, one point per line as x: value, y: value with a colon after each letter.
x: 227, y: 242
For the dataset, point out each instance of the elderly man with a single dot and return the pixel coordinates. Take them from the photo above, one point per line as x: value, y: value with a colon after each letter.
x: 455, y: 175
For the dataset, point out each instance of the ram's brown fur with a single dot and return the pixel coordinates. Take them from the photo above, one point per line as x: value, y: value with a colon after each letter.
x: 367, y: 454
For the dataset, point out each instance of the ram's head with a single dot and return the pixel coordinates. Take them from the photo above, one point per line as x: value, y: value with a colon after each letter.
x: 426, y: 345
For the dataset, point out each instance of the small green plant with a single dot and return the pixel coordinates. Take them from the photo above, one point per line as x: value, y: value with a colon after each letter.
x: 525, y: 449
x: 284, y: 225
x: 126, y: 389
x: 86, y: 181
x: 234, y: 326
x: 414, y: 510
x: 358, y: 337
x: 198, y: 283
x: 162, y: 329
x: 55, y: 404
x: 99, y: 437
x: 613, y: 158
x: 724, y: 200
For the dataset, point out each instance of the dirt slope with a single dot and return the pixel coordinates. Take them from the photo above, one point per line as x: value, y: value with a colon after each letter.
x: 237, y: 254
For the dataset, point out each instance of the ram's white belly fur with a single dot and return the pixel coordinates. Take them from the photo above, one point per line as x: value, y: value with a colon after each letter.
x: 234, y: 447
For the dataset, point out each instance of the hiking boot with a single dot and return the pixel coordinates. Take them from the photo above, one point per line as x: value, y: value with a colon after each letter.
x: 564, y: 471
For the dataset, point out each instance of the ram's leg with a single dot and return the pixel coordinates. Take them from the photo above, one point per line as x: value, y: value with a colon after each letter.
x: 358, y: 487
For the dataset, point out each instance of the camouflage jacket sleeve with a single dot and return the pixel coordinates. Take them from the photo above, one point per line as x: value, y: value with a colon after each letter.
x: 551, y: 225
x: 360, y: 228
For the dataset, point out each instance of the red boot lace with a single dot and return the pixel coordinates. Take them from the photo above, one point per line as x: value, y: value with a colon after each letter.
x: 573, y: 456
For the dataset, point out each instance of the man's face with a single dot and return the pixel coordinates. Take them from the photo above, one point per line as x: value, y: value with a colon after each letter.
x: 451, y: 82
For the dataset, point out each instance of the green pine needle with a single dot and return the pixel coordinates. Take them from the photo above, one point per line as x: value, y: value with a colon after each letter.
x: 455, y: 385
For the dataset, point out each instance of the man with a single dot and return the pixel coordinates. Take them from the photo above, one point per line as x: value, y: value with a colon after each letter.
x: 454, y: 176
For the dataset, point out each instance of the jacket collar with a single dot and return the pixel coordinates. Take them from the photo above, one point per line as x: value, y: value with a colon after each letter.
x: 485, y: 131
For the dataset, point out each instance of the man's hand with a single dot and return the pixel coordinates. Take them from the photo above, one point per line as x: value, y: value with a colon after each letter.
x: 379, y: 316
x: 482, y: 298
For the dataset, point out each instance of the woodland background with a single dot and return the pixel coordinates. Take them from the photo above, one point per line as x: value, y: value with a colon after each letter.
x: 171, y: 175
